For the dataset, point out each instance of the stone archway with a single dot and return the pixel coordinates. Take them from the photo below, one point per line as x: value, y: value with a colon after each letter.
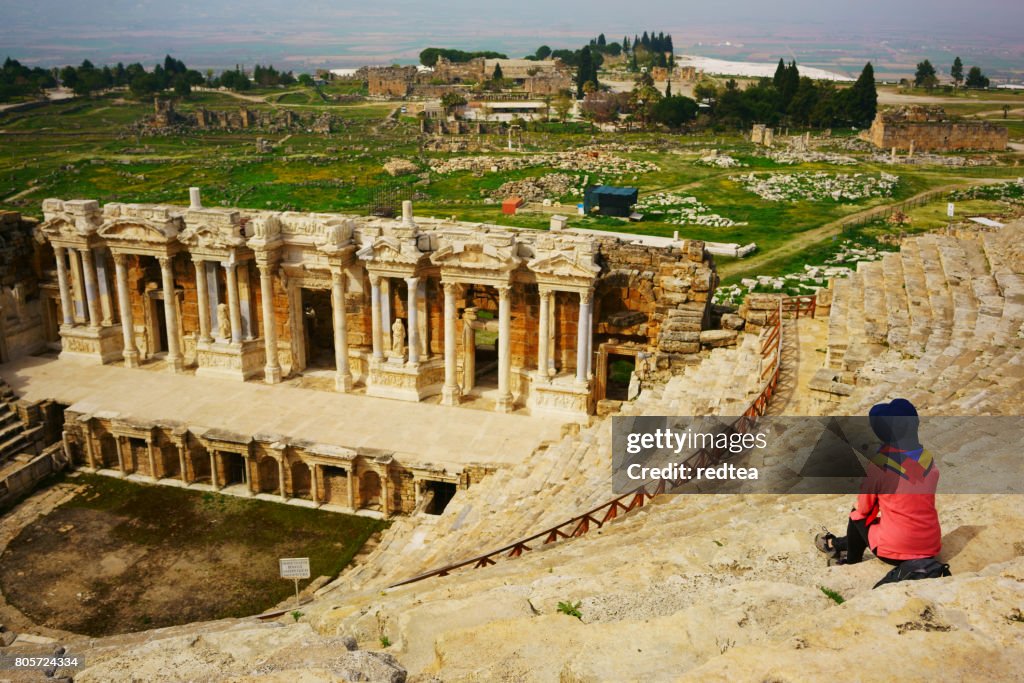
x: 369, y: 490
x: 269, y: 479
x: 302, y: 480
x: 108, y: 452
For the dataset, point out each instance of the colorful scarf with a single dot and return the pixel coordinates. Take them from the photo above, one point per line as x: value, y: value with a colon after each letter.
x: 913, y: 465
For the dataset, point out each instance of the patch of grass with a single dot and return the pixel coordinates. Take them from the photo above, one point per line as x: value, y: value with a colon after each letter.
x: 570, y: 609
x: 233, y: 542
x: 385, y: 642
x: 833, y: 595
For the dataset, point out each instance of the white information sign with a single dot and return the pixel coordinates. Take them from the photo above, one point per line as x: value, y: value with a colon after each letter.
x: 950, y: 209
x: 294, y: 567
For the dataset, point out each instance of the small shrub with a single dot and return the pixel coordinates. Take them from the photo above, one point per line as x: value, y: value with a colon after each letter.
x: 572, y: 610
x: 297, y: 614
x: 836, y: 597
x: 385, y: 641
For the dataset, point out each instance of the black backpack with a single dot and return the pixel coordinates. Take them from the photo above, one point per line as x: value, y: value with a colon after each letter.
x: 912, y: 570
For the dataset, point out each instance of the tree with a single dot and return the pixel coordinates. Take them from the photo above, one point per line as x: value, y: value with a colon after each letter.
x: 705, y: 91
x: 182, y: 88
x: 601, y: 41
x: 562, y: 106
x: 585, y: 72
x: 306, y: 80
x: 925, y: 76
x: 957, y: 72
x: 543, y: 52
x: 673, y: 112
x: 451, y: 101
x: 780, y: 75
x: 497, y: 75
x: 976, y: 79
x: 668, y: 88
x: 801, y: 107
x: 790, y: 82
x: 625, y: 43
x: 862, y: 99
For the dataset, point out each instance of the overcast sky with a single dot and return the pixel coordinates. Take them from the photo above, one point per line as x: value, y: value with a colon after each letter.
x: 300, y: 32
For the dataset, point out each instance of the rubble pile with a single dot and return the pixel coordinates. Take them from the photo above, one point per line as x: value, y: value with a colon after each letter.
x: 551, y: 186
x: 590, y: 162
x: 681, y: 210
x: 820, y: 186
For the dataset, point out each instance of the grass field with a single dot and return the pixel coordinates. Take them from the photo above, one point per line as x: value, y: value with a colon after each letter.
x: 122, y: 556
x: 90, y: 149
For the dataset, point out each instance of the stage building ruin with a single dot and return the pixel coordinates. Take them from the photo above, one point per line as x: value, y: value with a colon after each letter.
x: 406, y: 308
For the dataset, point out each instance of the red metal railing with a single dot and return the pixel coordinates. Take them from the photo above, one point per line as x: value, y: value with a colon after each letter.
x: 771, y: 353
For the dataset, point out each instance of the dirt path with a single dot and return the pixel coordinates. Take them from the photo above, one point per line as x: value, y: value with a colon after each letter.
x: 751, y: 265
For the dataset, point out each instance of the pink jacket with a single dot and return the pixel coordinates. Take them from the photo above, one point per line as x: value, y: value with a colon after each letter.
x: 908, y: 524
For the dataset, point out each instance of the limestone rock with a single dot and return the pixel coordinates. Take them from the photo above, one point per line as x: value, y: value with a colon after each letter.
x: 714, y: 338
x: 731, y: 321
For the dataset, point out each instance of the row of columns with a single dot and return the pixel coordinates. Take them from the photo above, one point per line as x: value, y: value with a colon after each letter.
x: 379, y: 312
x: 584, y: 342
x: 83, y: 285
x: 123, y: 443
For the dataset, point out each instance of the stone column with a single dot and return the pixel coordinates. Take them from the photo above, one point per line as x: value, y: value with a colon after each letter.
x: 91, y: 288
x: 412, y: 309
x: 76, y: 285
x: 280, y: 477
x: 234, y: 309
x: 378, y: 342
x: 120, y: 456
x: 351, y: 490
x: 170, y: 315
x: 590, y: 342
x: 582, y: 336
x: 385, y: 311
x: 450, y: 392
x: 203, y: 299
x: 504, y: 403
x: 213, y: 469
x: 468, y: 352
x: 543, y: 334
x: 272, y: 369
x: 182, y: 464
x: 343, y: 376
x: 131, y: 352
x: 314, y: 479
x: 66, y: 306
x: 385, y: 496
x: 213, y: 293
x: 152, y: 459
x: 103, y: 280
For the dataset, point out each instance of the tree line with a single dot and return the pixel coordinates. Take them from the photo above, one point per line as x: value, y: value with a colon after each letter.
x: 17, y: 80
x: 791, y: 99
x: 430, y: 55
x: 927, y: 77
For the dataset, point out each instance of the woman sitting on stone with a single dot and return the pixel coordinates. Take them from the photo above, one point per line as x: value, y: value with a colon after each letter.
x: 895, y: 514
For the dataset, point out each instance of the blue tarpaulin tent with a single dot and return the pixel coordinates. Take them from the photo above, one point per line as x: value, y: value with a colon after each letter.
x: 610, y: 200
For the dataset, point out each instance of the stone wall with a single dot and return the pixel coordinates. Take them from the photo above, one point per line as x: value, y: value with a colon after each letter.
x: 926, y: 129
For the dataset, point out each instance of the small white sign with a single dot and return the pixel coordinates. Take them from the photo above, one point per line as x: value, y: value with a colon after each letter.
x: 950, y: 209
x: 294, y: 567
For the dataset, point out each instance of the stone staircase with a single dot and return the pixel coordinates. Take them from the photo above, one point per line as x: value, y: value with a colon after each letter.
x: 938, y: 323
x: 14, y: 437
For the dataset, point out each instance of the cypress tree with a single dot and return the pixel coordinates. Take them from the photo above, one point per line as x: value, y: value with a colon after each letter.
x: 780, y: 75
x: 862, y: 98
x: 585, y: 70
x: 625, y: 44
